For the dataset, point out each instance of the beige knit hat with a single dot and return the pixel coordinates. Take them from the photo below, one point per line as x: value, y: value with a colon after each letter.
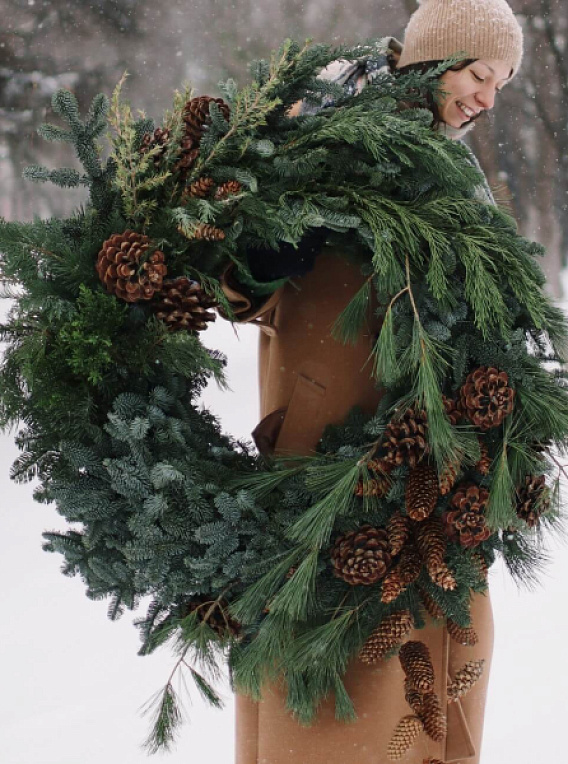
x: 477, y: 28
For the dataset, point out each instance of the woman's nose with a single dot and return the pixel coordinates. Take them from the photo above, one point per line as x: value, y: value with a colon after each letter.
x: 486, y: 97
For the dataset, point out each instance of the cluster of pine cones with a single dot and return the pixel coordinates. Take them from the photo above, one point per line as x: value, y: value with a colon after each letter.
x: 428, y: 714
x: 127, y: 265
x: 485, y: 400
x: 131, y: 270
x: 416, y: 663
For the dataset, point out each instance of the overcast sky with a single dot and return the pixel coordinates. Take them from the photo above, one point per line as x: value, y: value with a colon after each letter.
x: 72, y: 683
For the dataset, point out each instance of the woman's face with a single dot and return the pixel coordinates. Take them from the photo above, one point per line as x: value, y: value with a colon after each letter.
x: 469, y: 91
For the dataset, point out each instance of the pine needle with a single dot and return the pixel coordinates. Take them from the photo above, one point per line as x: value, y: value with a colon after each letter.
x: 349, y: 323
x: 167, y: 718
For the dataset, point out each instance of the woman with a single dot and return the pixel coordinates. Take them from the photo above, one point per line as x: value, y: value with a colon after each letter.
x: 307, y: 380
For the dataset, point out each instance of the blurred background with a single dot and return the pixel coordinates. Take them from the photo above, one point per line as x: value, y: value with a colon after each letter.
x: 71, y: 681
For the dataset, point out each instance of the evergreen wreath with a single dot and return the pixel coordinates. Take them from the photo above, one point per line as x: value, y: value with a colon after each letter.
x: 286, y: 568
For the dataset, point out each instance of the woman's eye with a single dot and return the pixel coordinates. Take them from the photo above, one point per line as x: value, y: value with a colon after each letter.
x: 478, y: 78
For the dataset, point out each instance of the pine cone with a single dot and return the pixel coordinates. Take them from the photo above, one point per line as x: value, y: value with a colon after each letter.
x: 486, y: 397
x: 197, y: 118
x: 484, y: 464
x: 448, y: 477
x: 183, y: 305
x: 230, y: 188
x: 126, y: 269
x: 421, y: 492
x: 404, y: 737
x: 409, y: 564
x: 208, y: 232
x: 464, y: 680
x: 413, y: 697
x: 453, y: 410
x: 398, y: 530
x: 188, y: 154
x: 479, y: 559
x: 404, y: 439
x: 462, y: 635
x: 435, y: 723
x: 215, y: 614
x: 160, y: 137
x: 432, y: 542
x: 200, y: 189
x: 403, y: 574
x: 393, y: 586
x: 388, y: 634
x: 378, y: 487
x: 465, y: 522
x: 431, y: 606
x: 361, y: 556
x: 417, y: 665
x: 533, y: 500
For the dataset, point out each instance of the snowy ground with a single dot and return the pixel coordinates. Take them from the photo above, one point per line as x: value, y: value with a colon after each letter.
x: 72, y: 684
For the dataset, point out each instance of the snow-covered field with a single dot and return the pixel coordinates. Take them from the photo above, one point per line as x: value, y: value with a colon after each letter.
x: 71, y: 683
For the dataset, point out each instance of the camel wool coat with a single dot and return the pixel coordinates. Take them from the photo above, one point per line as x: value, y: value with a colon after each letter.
x: 308, y: 380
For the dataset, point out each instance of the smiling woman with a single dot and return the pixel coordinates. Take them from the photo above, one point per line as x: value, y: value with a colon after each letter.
x: 307, y: 381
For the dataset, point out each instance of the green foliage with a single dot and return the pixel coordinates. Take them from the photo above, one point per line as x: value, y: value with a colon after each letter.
x: 87, y: 340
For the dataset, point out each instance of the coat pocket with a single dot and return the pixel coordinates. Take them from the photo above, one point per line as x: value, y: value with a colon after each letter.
x: 296, y: 428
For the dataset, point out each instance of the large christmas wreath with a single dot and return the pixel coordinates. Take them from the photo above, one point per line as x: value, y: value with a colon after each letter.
x: 284, y: 568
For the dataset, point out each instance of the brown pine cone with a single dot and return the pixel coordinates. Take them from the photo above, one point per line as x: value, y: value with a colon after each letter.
x: 462, y: 635
x: 188, y: 153
x: 479, y: 560
x: 404, y: 737
x: 431, y: 607
x: 361, y: 556
x: 417, y: 665
x: 421, y: 492
x: 448, y: 477
x: 388, y: 634
x: 435, y: 723
x: 378, y: 487
x: 486, y: 397
x: 409, y: 564
x: 201, y: 188
x: 393, y: 586
x: 398, y: 530
x: 160, y: 137
x: 464, y: 680
x: 127, y: 270
x: 484, y: 464
x: 432, y: 542
x: 443, y: 577
x: 197, y: 118
x: 465, y: 522
x: 215, y: 614
x: 208, y: 232
x: 230, y: 188
x: 533, y: 499
x: 183, y: 305
x: 413, y: 697
x: 453, y: 410
x: 404, y: 439
x: 405, y: 572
